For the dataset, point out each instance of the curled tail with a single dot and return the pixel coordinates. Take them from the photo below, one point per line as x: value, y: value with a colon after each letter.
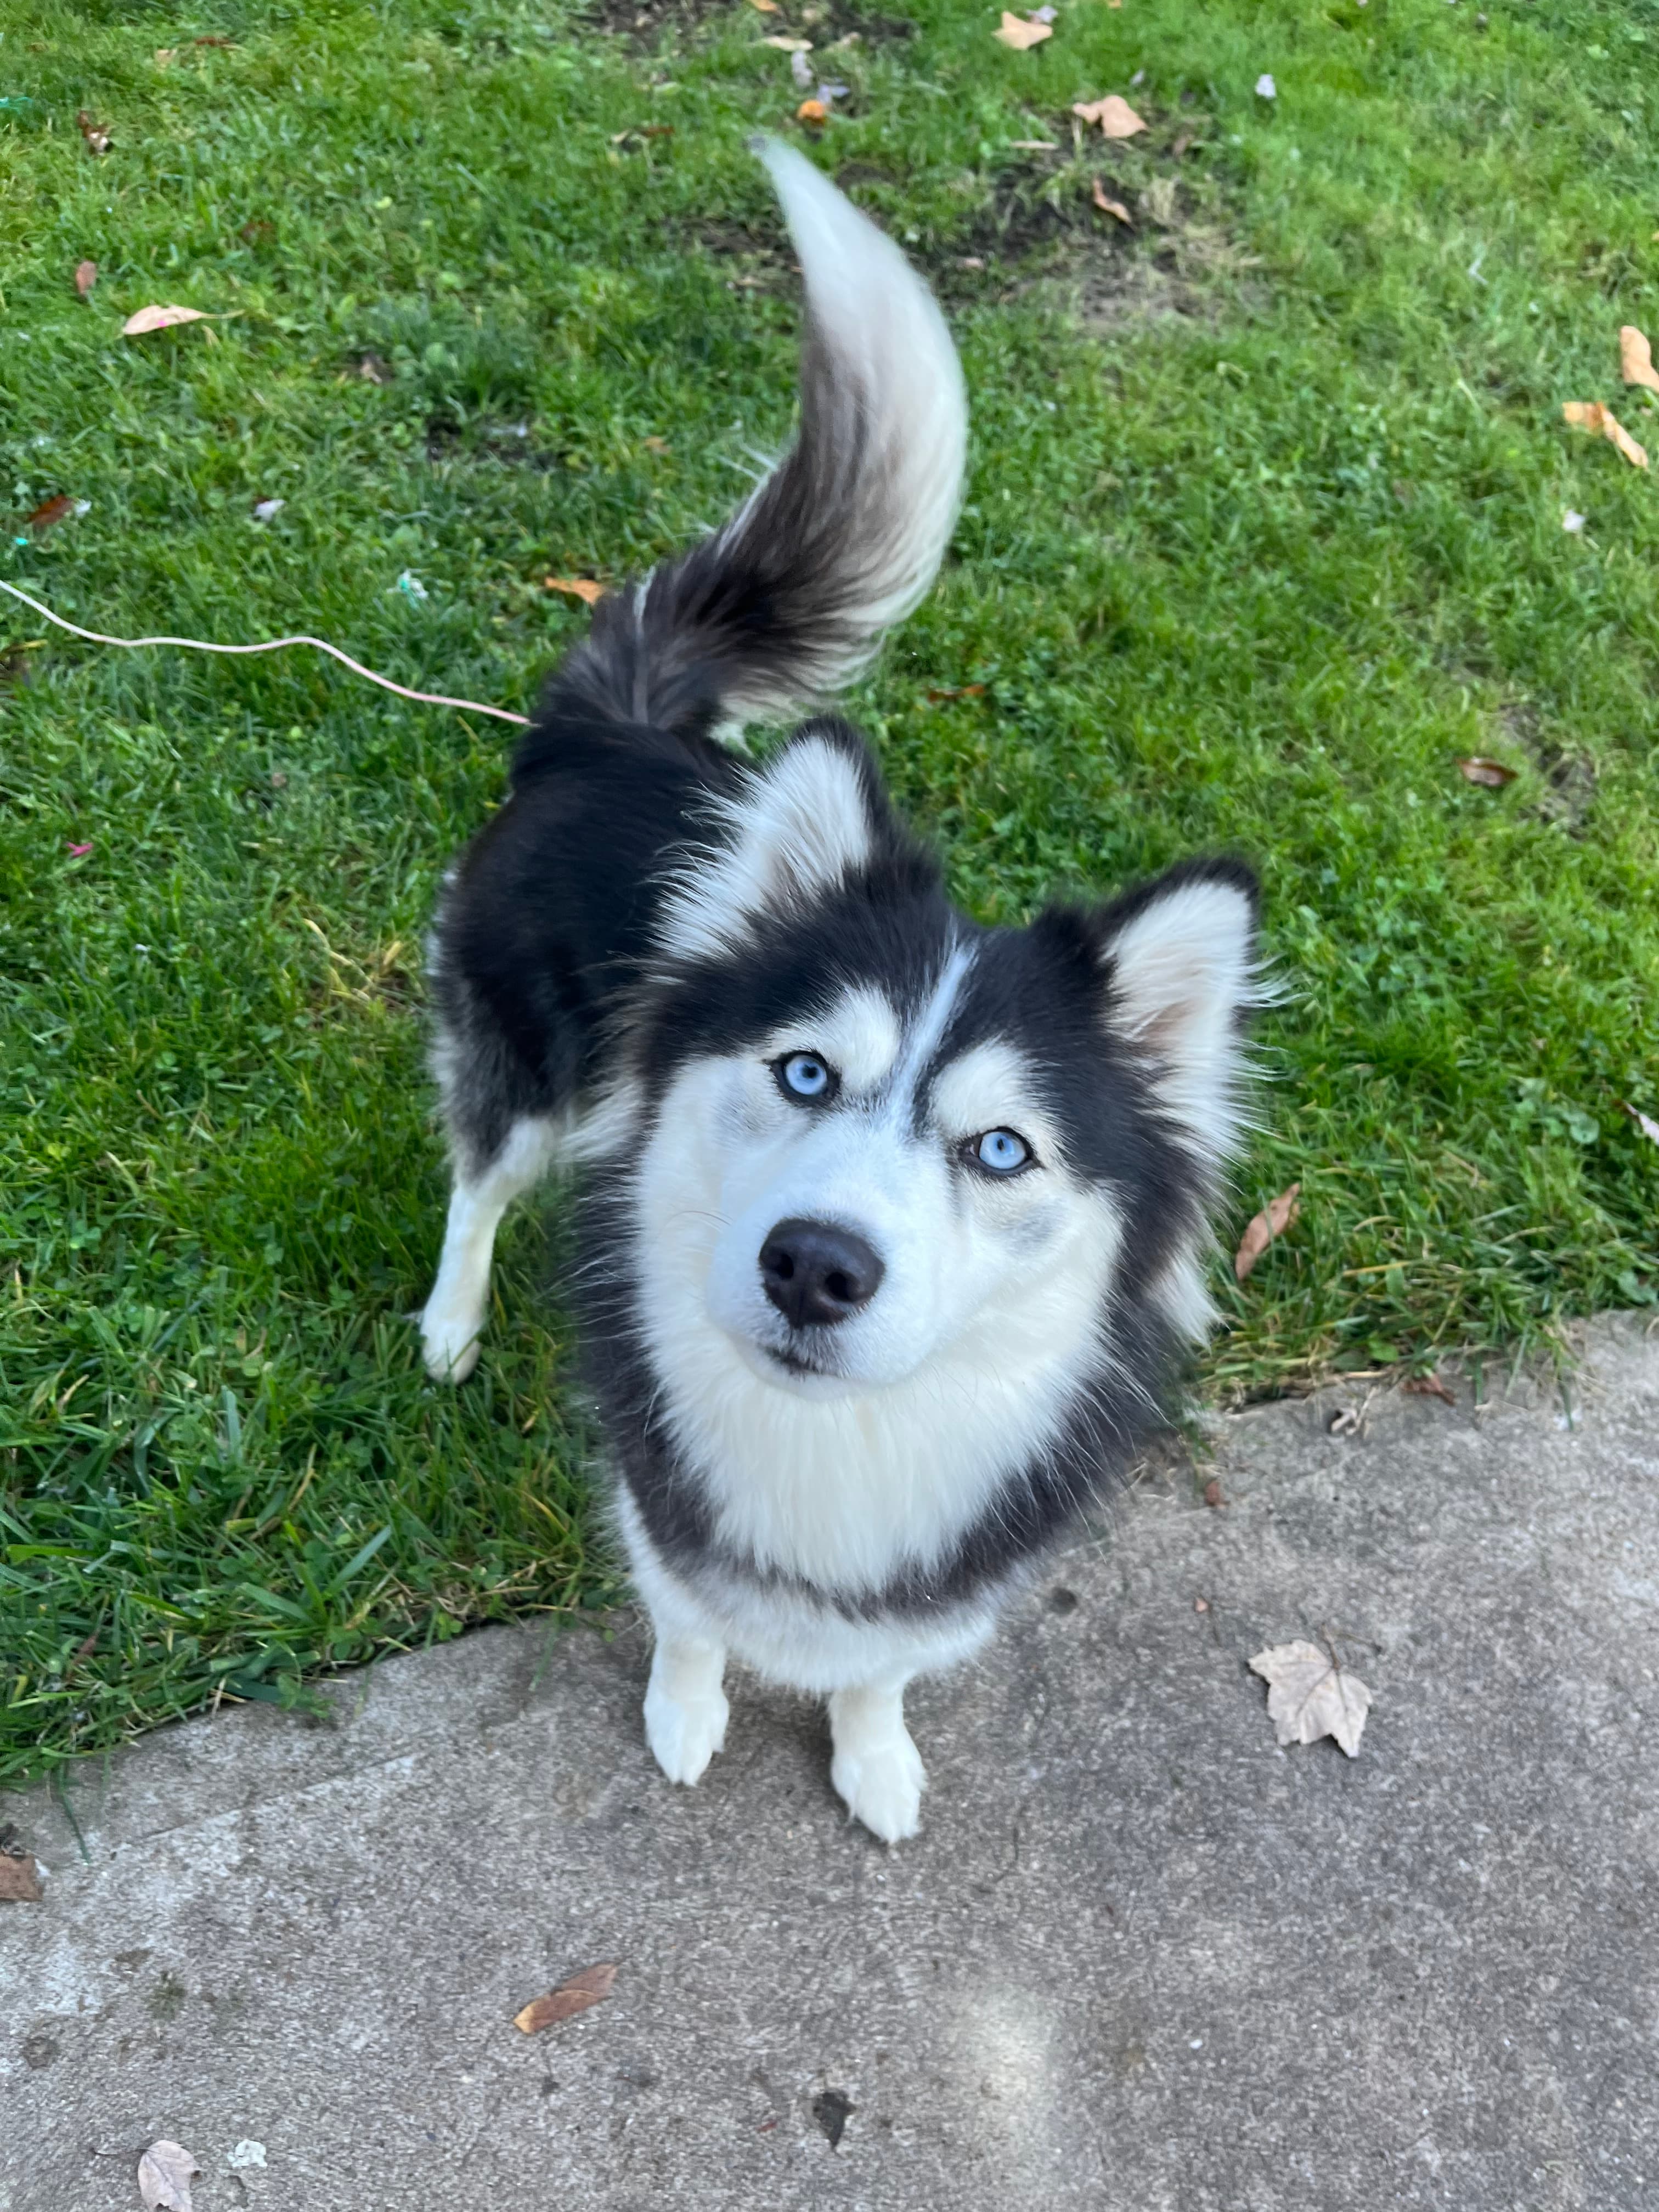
x: 789, y: 599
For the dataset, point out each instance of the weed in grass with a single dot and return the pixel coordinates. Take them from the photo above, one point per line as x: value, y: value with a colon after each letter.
x: 1263, y: 536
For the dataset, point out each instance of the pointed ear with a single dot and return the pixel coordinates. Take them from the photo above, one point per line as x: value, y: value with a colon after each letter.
x: 811, y: 816
x: 1180, y: 963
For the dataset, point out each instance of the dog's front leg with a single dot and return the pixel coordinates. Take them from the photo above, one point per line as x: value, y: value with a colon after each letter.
x: 876, y: 1768
x: 685, y: 1707
x: 454, y: 1318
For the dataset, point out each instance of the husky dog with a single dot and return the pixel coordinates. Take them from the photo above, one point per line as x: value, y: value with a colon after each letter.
x: 892, y: 1225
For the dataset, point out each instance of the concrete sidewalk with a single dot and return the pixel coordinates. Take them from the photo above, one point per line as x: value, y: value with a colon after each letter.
x: 1137, y: 1959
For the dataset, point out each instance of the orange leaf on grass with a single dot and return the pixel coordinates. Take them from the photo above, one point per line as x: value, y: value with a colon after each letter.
x: 1018, y: 32
x: 1274, y: 1219
x: 1490, y: 773
x: 161, y: 318
x: 1116, y: 118
x: 812, y: 110
x: 576, y: 588
x: 1109, y: 207
x: 1591, y: 415
x: 50, y: 514
x: 590, y: 1987
x: 1635, y: 358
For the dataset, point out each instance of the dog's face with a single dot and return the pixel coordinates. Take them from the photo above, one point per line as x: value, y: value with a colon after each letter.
x: 882, y: 1139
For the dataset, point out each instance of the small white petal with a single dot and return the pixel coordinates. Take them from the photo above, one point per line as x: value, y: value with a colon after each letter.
x: 1264, y: 88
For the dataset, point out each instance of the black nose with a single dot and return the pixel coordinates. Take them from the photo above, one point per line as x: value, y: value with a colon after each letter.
x: 816, y: 1273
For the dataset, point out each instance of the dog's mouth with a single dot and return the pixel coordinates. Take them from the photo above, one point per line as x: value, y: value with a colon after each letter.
x: 795, y: 1363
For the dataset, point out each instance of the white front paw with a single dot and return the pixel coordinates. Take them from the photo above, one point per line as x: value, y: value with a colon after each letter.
x: 450, y: 1342
x: 883, y: 1786
x: 685, y: 1732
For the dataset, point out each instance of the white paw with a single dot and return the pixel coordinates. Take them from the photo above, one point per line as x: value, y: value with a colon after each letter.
x: 883, y: 1786
x: 685, y: 1732
x: 450, y: 1343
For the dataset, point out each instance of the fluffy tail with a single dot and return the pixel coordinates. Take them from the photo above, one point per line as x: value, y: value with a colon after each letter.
x: 790, y: 599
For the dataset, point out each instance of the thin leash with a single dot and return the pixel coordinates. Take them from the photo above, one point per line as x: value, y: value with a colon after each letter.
x: 273, y: 645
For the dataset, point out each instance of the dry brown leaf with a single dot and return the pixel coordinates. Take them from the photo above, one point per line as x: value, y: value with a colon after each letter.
x: 50, y: 514
x: 943, y: 691
x: 591, y: 1987
x: 1213, y: 1493
x: 161, y: 318
x: 164, y: 2174
x: 1591, y: 415
x: 812, y: 110
x: 19, y: 1880
x: 1109, y: 207
x: 86, y: 276
x: 1114, y: 114
x: 1493, y: 774
x: 94, y: 133
x: 1635, y: 358
x: 576, y: 588
x: 1274, y: 1219
x: 1428, y: 1386
x: 1308, y: 1696
x: 1644, y: 1122
x: 1019, y: 32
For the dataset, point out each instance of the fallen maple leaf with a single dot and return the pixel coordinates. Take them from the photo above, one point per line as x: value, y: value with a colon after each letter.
x: 1274, y: 1219
x: 50, y: 514
x: 161, y: 318
x: 94, y: 133
x: 812, y: 110
x: 1635, y: 358
x: 19, y: 1880
x: 86, y: 276
x: 576, y: 588
x: 1493, y: 774
x: 1308, y: 1696
x: 164, y: 2173
x: 1116, y: 118
x: 1644, y: 1122
x: 1109, y: 207
x: 1018, y: 32
x: 1591, y: 415
x: 591, y: 1987
x: 1428, y: 1386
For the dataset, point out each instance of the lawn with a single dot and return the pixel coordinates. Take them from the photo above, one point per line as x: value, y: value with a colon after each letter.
x: 1265, y: 534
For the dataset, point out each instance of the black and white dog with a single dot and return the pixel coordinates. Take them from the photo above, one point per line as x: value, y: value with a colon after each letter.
x: 892, y: 1224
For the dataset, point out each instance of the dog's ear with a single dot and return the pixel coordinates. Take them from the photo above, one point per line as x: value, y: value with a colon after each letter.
x: 1178, y: 966
x: 812, y: 816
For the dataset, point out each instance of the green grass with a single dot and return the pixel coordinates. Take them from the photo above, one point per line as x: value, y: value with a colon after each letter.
x: 1253, y: 574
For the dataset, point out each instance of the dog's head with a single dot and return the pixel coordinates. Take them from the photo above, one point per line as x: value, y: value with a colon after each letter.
x: 880, y: 1140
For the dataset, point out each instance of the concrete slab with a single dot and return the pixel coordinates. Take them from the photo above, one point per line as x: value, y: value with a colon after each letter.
x: 1139, y: 1958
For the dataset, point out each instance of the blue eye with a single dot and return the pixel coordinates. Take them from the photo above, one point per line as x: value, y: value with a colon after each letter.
x: 1002, y: 1151
x: 803, y: 1075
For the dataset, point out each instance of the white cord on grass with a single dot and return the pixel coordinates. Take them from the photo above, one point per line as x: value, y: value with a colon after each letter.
x: 272, y: 644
